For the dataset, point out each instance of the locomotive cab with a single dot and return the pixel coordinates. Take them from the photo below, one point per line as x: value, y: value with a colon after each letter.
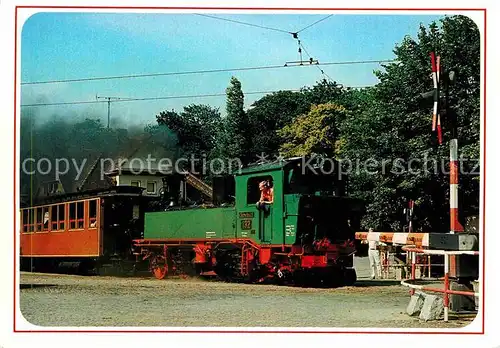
x: 318, y: 196
x: 310, y: 217
x: 309, y: 204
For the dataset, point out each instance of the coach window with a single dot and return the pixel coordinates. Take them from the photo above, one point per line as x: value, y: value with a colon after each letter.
x: 72, y: 216
x: 57, y: 217
x: 61, y: 216
x: 79, y: 215
x: 53, y: 218
x: 25, y: 221
x: 253, y: 191
x: 45, y: 219
x: 93, y: 213
x: 31, y: 220
x: 135, y: 183
x: 39, y: 219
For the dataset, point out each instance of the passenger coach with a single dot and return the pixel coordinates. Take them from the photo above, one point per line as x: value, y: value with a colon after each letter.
x: 90, y: 230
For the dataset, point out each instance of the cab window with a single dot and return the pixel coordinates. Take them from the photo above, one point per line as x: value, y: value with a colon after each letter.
x: 253, y: 191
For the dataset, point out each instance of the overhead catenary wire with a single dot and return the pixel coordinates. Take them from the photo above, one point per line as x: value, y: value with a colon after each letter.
x: 327, y: 76
x: 294, y: 34
x: 310, y: 25
x: 147, y: 98
x: 244, y: 23
x: 100, y: 78
x: 164, y: 97
x: 192, y: 72
x: 317, y: 65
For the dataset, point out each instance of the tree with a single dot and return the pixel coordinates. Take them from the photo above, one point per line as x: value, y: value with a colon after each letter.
x: 234, y: 138
x: 271, y: 113
x: 394, y: 126
x: 323, y: 92
x: 316, y: 132
x: 196, y: 128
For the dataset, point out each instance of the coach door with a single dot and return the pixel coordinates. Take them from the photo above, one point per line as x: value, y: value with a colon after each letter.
x: 265, y: 224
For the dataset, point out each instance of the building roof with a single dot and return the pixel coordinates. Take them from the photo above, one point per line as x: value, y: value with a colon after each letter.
x: 95, y: 170
x: 90, y: 178
x: 138, y: 166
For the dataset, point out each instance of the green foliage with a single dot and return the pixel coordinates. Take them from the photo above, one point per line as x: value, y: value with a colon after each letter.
x: 274, y: 111
x: 271, y: 113
x: 323, y: 92
x: 395, y: 125
x: 234, y: 138
x: 196, y: 128
x: 316, y: 132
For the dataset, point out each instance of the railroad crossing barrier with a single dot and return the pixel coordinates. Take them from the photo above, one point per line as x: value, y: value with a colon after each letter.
x: 446, y: 291
x: 394, y: 269
x: 430, y: 240
x: 393, y: 266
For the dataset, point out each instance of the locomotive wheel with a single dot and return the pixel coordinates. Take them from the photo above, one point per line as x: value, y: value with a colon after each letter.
x: 159, y: 267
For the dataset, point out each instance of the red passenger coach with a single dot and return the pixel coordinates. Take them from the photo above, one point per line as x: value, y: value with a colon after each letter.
x: 86, y: 230
x: 70, y: 229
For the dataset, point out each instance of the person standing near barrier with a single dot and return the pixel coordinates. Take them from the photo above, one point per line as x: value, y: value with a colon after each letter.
x: 374, y: 257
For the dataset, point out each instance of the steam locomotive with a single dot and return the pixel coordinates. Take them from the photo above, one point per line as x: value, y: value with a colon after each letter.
x: 305, y: 235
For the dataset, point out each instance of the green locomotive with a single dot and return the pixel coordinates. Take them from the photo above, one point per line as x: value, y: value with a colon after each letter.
x: 304, y: 233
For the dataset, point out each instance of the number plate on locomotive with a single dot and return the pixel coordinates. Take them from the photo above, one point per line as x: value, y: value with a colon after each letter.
x: 246, y: 224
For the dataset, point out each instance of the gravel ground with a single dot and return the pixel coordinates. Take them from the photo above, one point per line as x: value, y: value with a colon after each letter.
x: 67, y: 300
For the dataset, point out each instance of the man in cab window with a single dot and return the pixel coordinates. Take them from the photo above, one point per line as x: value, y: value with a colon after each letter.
x: 266, y: 196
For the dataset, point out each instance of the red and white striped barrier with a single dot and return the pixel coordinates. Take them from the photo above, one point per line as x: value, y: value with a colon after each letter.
x: 397, y: 238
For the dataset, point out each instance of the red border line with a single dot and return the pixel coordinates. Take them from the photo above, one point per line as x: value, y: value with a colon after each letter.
x: 261, y: 8
x: 484, y: 176
x: 484, y: 10
x: 15, y: 144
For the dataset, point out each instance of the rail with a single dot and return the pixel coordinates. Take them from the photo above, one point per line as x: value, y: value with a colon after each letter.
x: 446, y: 291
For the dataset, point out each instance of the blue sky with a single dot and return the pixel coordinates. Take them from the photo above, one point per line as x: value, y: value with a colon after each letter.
x: 77, y: 45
